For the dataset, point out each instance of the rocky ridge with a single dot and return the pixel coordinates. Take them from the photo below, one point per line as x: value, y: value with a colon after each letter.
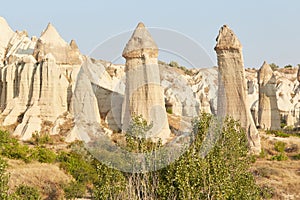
x: 43, y: 82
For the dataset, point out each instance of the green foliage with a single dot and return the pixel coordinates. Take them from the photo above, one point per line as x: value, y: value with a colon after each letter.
x: 263, y: 153
x: 3, y: 180
x: 274, y: 66
x: 267, y: 192
x: 278, y: 133
x: 25, y: 192
x: 280, y: 157
x: 11, y: 148
x: 41, y: 139
x: 74, y: 190
x: 296, y: 157
x: 170, y: 110
x: 174, y: 64
x: 43, y: 155
x: 78, y: 166
x: 136, y: 136
x: 288, y: 66
x: 110, y: 183
x: 279, y: 146
x: 222, y: 174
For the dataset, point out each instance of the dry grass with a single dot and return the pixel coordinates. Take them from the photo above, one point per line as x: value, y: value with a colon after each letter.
x: 48, y: 178
x: 283, y: 177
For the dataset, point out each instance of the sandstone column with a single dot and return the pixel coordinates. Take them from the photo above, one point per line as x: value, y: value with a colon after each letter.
x: 268, y: 114
x: 232, y: 85
x: 144, y: 94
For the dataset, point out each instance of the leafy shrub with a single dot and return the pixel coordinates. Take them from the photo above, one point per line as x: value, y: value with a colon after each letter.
x: 170, y: 110
x: 75, y: 164
x: 40, y: 139
x: 279, y: 157
x: 296, y: 157
x: 11, y: 148
x: 74, y: 190
x: 43, y: 155
x: 263, y: 153
x: 267, y: 192
x: 278, y: 133
x: 27, y: 193
x: 279, y: 146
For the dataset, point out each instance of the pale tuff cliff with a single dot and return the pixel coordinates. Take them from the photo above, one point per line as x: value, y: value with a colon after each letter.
x: 46, y: 85
x: 232, y: 96
x: 34, y: 93
x: 144, y: 94
x: 268, y: 113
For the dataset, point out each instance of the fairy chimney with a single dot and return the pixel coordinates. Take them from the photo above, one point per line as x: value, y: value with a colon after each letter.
x: 232, y: 99
x: 144, y: 94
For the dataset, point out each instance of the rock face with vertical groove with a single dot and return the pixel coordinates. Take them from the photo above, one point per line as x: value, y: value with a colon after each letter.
x: 268, y: 114
x: 232, y: 99
x: 34, y: 94
x: 144, y: 94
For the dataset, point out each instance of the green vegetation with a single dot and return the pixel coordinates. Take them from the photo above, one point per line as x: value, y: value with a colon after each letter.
x: 11, y: 148
x: 280, y: 147
x: 284, y: 133
x: 3, y: 180
x: 183, y: 68
x: 296, y: 157
x: 280, y: 157
x: 288, y: 66
x: 27, y: 193
x: 170, y: 110
x: 274, y: 66
x: 221, y: 174
x: 74, y: 190
x: 41, y: 139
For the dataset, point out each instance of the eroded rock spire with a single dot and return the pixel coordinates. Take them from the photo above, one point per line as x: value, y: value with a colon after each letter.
x: 268, y: 113
x: 232, y: 85
x: 144, y: 94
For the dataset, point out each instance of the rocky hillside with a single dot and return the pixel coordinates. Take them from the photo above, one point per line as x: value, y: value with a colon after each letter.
x: 44, y: 82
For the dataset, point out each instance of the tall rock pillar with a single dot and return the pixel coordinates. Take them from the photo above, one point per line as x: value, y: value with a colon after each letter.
x: 232, y: 85
x: 144, y: 94
x: 268, y: 113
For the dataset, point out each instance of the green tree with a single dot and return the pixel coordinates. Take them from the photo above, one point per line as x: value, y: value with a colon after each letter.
x: 222, y: 174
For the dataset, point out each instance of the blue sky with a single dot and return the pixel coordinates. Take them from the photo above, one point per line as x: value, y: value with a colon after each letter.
x: 268, y: 29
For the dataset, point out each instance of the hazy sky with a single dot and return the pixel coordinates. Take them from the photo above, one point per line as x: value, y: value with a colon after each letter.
x: 268, y: 29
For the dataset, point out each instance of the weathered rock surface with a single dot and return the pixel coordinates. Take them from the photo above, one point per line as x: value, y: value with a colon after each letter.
x: 232, y: 96
x: 144, y: 94
x: 33, y: 93
x: 6, y: 34
x: 43, y: 83
x: 268, y: 114
x: 51, y: 42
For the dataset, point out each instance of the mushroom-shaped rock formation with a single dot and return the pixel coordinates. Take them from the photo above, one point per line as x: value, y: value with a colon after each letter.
x: 144, y: 94
x: 268, y: 114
